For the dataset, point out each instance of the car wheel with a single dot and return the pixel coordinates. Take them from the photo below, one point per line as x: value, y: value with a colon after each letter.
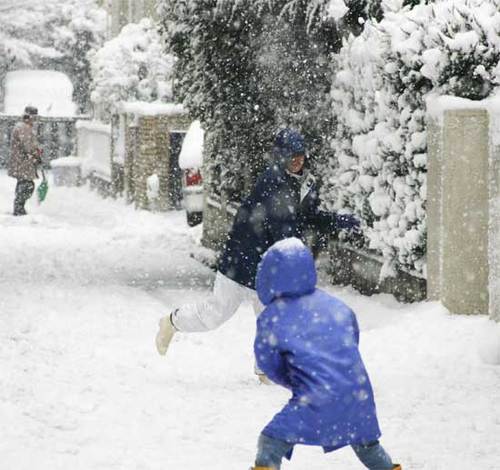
x: 194, y: 218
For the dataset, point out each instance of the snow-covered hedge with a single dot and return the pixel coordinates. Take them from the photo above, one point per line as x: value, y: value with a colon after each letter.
x: 382, y: 78
x: 132, y: 66
x: 247, y: 68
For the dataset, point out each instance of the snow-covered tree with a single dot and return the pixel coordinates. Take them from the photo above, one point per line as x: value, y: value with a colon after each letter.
x: 80, y: 35
x: 132, y: 66
x: 17, y: 43
x: 246, y: 68
x: 217, y: 81
x: 53, y: 34
x: 379, y: 161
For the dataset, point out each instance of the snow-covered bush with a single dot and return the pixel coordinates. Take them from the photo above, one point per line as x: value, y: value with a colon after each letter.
x: 53, y: 34
x: 381, y: 80
x: 132, y: 66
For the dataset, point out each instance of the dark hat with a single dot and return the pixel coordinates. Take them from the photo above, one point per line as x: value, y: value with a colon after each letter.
x: 289, y: 142
x: 30, y: 111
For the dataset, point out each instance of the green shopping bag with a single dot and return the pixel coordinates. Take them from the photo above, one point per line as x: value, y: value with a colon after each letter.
x: 43, y: 189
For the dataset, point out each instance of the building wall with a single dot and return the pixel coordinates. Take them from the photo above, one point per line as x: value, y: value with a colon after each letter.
x: 150, y: 9
x: 123, y: 12
x: 148, y: 153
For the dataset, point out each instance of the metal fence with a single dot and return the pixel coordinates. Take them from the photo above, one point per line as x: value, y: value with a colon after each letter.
x: 57, y: 136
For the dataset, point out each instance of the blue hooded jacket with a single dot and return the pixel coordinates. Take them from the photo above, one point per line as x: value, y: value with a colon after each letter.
x: 307, y: 341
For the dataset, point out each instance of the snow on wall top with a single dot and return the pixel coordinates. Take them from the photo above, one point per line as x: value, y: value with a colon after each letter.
x: 191, y: 155
x: 50, y: 91
x: 438, y: 105
x: 143, y: 108
x: 95, y: 126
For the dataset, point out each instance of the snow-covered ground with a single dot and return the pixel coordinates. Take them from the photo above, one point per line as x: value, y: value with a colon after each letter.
x: 83, y: 282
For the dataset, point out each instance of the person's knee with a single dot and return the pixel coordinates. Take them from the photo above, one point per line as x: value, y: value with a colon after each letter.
x: 30, y: 188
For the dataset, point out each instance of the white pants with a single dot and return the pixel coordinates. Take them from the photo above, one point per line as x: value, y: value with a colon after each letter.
x: 226, y: 298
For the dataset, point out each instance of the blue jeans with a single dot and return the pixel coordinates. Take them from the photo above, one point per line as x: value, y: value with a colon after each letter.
x: 271, y: 451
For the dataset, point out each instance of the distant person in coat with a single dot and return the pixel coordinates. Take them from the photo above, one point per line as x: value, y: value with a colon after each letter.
x: 283, y: 203
x: 25, y: 156
x: 307, y: 341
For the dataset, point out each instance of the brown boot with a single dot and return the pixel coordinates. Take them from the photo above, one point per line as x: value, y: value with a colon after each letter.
x: 397, y: 467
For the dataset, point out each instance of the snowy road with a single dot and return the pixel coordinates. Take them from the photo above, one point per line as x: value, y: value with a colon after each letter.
x: 83, y: 282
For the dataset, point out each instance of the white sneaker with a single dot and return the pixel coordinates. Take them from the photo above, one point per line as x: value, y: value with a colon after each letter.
x: 164, y: 335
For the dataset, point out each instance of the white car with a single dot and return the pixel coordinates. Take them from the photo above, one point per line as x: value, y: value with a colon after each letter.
x: 190, y: 162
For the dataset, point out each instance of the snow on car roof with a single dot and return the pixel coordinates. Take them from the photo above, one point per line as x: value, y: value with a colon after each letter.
x: 191, y: 155
x: 50, y: 91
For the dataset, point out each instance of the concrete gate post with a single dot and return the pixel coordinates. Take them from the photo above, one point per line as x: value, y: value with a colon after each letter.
x: 458, y: 197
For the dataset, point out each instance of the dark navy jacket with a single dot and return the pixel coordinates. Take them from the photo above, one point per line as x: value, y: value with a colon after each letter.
x: 307, y: 341
x: 273, y: 211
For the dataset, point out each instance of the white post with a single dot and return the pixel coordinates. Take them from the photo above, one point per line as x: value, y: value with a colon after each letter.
x: 459, y: 194
x: 465, y: 211
x: 434, y: 208
x: 494, y: 222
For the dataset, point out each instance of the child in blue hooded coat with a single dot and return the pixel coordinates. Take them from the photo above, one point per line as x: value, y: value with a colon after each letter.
x: 307, y: 341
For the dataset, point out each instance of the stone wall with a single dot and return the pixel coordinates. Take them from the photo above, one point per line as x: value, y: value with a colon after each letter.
x: 361, y: 270
x: 347, y: 266
x: 146, y: 160
x: 217, y: 219
x: 147, y: 153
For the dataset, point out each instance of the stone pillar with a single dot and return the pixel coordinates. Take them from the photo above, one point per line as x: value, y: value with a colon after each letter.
x: 3, y: 75
x: 119, y: 16
x: 494, y: 223
x: 434, y: 209
x: 150, y: 9
x: 144, y: 160
x: 458, y: 211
